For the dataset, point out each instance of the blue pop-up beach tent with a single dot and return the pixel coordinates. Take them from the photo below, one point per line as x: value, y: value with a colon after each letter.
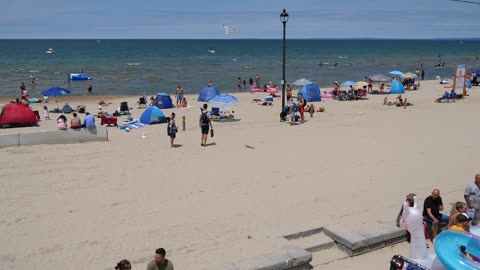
x: 207, y: 93
x: 153, y: 115
x: 310, y: 92
x: 397, y: 88
x: 164, y: 101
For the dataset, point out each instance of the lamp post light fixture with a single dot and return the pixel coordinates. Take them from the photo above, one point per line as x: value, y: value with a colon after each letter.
x: 284, y: 20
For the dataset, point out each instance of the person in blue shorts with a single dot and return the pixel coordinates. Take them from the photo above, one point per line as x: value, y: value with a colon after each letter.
x: 431, y: 211
x: 179, y: 95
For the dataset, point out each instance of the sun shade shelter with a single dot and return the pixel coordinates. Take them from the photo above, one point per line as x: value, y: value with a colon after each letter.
x: 207, y: 93
x: 310, y: 92
x: 164, y: 101
x: 397, y: 88
x: 17, y: 114
x: 153, y: 115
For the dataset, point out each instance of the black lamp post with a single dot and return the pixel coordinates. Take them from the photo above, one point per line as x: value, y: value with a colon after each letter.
x: 284, y: 20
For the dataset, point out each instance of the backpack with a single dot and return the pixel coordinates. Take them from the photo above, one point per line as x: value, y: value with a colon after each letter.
x: 304, y: 102
x: 204, y: 118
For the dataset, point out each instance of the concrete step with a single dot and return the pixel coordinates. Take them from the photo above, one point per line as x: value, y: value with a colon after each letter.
x: 314, y: 242
x: 327, y: 256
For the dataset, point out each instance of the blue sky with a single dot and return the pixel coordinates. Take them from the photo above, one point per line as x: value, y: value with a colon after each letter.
x: 157, y: 19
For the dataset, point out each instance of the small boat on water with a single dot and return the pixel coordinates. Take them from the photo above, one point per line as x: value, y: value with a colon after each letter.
x: 78, y: 76
x: 50, y: 50
x: 211, y: 51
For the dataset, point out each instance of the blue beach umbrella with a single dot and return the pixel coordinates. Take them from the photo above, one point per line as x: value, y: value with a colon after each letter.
x: 347, y: 83
x: 55, y: 91
x: 396, y: 72
x: 223, y: 99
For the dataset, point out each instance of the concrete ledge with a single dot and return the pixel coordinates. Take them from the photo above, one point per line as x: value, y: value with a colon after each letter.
x: 266, y: 254
x: 303, y: 233
x: 68, y: 136
x: 364, y: 239
x: 9, y: 140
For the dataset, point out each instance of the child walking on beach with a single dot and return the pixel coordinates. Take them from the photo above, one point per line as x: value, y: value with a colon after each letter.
x: 45, y: 113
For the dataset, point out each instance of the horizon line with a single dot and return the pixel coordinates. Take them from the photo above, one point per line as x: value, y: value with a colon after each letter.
x: 359, y: 38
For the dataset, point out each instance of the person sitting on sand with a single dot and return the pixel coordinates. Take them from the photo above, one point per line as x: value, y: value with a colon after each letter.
x: 76, y: 122
x: 100, y: 113
x: 62, y: 122
x: 123, y: 265
x: 183, y: 104
x: 382, y: 88
x: 102, y: 102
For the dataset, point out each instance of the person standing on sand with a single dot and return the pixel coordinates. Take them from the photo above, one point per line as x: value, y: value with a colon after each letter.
x: 423, y: 74
x: 90, y: 86
x: 472, y: 198
x: 301, y: 107
x: 205, y: 123
x: 239, y: 84
x: 257, y: 80
x: 179, y: 95
x: 172, y: 129
x: 160, y: 262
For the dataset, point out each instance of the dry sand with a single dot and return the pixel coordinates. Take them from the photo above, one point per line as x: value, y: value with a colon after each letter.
x: 87, y: 206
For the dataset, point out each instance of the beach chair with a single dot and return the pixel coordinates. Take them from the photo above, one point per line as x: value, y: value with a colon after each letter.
x: 124, y: 107
x: 215, y: 111
x: 142, y: 103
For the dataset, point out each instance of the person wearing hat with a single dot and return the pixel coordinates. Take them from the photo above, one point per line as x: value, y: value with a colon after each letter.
x: 100, y: 112
x: 410, y: 202
x: 461, y: 223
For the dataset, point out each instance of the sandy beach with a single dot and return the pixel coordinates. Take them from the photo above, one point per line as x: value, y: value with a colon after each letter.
x: 87, y: 206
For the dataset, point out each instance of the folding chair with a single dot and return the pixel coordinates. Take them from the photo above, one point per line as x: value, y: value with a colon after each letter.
x: 215, y: 111
x: 142, y: 103
x: 124, y: 107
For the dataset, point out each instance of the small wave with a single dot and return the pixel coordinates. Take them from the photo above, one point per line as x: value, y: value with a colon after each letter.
x: 249, y: 67
x: 34, y: 71
x: 134, y: 64
x: 342, y: 57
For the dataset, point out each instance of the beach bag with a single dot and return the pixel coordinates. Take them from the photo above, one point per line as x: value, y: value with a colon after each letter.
x: 211, y: 132
x: 204, y: 118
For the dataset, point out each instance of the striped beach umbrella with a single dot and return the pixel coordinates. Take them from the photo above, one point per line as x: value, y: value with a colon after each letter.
x: 223, y: 99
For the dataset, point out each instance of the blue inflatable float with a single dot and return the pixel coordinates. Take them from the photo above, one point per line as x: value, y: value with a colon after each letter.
x: 449, y: 246
x: 78, y: 76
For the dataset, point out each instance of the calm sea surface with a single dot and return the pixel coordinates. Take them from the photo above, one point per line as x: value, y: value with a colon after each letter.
x: 134, y: 66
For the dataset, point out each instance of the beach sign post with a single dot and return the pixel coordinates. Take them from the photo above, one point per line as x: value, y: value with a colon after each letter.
x: 459, y: 83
